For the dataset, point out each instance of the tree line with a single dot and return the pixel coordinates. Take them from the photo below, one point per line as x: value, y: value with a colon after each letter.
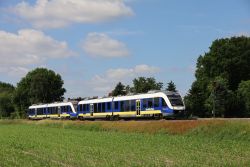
x: 141, y: 85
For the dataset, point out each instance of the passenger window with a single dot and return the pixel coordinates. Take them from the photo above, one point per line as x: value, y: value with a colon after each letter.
x: 156, y: 102
x: 95, y: 107
x: 87, y: 107
x: 69, y: 109
x: 122, y: 105
x: 103, y: 107
x: 99, y: 107
x: 144, y: 103
x: 116, y: 105
x: 132, y: 104
x: 150, y: 103
x: 108, y: 105
x: 127, y: 105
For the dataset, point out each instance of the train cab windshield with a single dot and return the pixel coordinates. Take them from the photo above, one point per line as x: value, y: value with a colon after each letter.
x: 175, y: 99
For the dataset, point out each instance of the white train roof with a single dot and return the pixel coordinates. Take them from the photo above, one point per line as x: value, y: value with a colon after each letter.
x: 59, y: 104
x: 38, y: 106
x: 103, y: 100
x: 50, y: 105
x: 128, y: 97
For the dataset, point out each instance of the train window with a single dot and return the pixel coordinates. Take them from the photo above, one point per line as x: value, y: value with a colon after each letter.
x: 150, y: 103
x: 132, y: 105
x: 108, y: 105
x: 83, y: 107
x: 87, y: 107
x: 127, y: 105
x: 95, y: 107
x: 116, y: 105
x: 52, y: 111
x: 156, y: 102
x: 103, y: 107
x: 69, y: 109
x: 164, y: 104
x: 80, y: 107
x: 40, y: 111
x: 99, y: 107
x: 144, y: 103
x: 122, y: 105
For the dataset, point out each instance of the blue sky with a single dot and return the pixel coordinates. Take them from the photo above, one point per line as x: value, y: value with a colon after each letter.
x: 93, y: 44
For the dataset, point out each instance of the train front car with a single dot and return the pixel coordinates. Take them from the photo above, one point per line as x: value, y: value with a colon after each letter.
x: 65, y: 110
x: 174, y: 106
x: 37, y: 111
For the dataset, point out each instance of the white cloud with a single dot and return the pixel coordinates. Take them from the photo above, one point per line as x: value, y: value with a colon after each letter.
x: 101, y: 45
x: 60, y: 13
x: 29, y: 47
x: 14, y: 71
x: 105, y: 83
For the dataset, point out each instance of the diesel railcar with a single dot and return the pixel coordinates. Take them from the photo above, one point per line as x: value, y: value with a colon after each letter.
x: 154, y: 104
x: 53, y: 110
x: 151, y: 105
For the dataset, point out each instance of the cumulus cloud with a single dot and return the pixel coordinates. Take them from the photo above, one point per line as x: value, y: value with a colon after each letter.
x: 102, y: 45
x: 60, y: 13
x: 29, y: 47
x: 105, y: 83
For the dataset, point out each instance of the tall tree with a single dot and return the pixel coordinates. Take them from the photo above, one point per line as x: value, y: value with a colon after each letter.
x: 6, y: 99
x: 143, y: 85
x: 39, y: 86
x: 119, y: 90
x: 171, y: 86
x: 229, y: 59
x: 244, y: 95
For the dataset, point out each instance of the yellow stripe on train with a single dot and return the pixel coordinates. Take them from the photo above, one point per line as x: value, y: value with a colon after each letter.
x: 120, y: 113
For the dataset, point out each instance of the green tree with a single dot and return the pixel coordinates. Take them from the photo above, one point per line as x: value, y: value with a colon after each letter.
x: 244, y: 95
x: 39, y: 86
x: 228, y: 59
x: 171, y: 86
x: 219, y: 95
x: 143, y: 85
x: 6, y: 99
x: 119, y: 90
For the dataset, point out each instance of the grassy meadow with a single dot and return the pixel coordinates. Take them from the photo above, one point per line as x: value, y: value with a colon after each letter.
x: 124, y: 143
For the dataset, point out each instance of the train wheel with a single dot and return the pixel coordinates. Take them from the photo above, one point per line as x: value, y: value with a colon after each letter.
x: 108, y: 118
x: 116, y: 118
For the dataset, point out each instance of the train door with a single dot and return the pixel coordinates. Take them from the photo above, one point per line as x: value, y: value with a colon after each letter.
x: 59, y: 111
x: 91, y: 109
x: 138, y: 107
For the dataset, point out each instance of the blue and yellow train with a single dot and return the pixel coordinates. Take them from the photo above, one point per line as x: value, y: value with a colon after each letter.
x: 154, y: 104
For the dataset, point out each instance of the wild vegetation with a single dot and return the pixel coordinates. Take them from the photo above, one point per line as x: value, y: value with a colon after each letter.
x: 222, y: 77
x: 141, y: 143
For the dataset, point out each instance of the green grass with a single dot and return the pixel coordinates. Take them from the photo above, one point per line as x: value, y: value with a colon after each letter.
x: 69, y: 143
